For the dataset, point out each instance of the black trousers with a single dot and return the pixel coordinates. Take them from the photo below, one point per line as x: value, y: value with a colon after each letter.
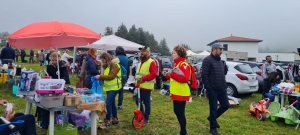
x: 179, y: 110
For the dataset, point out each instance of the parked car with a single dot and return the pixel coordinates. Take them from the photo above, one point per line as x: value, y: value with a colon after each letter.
x: 257, y: 69
x: 241, y: 79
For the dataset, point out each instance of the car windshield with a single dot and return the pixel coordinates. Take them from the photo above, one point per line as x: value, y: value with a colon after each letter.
x: 244, y: 68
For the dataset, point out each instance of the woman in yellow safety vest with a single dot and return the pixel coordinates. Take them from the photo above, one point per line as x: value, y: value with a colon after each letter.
x: 179, y: 88
x: 112, y: 82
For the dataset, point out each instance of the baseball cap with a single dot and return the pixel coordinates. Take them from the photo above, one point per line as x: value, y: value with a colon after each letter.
x: 217, y: 45
x: 145, y: 48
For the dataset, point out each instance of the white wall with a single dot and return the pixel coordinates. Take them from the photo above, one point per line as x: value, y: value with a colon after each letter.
x: 277, y: 56
x: 250, y: 47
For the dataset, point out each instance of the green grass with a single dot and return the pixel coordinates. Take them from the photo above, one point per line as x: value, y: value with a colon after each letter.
x: 236, y: 121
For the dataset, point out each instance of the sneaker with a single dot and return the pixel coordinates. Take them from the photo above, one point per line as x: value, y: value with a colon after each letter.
x: 214, y: 132
x: 120, y: 108
x: 146, y: 122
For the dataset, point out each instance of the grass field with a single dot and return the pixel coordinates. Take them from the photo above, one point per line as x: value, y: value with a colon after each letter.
x: 236, y: 121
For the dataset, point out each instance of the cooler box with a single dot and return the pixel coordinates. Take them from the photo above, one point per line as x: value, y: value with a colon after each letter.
x: 3, y: 78
x: 65, y: 129
x: 52, y: 101
x: 49, y: 86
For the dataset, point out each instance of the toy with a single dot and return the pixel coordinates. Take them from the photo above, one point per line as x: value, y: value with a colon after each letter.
x: 259, y: 109
x: 288, y: 113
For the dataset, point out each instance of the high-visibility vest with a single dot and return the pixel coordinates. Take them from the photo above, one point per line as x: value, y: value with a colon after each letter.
x: 114, y: 84
x: 143, y: 69
x: 177, y: 88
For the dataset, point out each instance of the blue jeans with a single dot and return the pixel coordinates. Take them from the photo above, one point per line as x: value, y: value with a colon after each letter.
x: 121, y: 96
x: 26, y: 128
x: 145, y: 99
x: 271, y: 96
x: 214, y: 112
x: 6, y: 61
x: 111, y: 104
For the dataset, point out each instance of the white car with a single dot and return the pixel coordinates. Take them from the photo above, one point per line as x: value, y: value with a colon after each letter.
x: 241, y: 79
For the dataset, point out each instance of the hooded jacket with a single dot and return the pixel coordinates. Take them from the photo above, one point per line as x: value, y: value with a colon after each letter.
x: 91, y: 70
x: 120, y: 53
x: 113, y: 71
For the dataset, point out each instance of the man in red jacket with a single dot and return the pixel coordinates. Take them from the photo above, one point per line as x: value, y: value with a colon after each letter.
x: 147, y: 72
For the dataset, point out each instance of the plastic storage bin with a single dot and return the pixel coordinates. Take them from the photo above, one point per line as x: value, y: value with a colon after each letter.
x: 65, y: 129
x: 52, y: 101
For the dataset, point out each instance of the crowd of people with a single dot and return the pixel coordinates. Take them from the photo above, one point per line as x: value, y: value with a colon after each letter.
x: 147, y: 71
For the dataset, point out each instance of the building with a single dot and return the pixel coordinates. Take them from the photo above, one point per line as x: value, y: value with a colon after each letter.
x: 239, y: 44
x: 3, y: 40
x: 279, y: 56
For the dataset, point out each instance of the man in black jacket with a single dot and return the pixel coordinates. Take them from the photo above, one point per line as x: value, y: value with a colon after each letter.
x: 213, y: 77
x: 7, y: 54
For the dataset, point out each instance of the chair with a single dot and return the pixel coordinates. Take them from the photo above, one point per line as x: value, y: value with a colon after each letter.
x: 10, y: 125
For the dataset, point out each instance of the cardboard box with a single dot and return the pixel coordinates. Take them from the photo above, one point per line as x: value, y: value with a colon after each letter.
x: 72, y: 100
x: 52, y: 101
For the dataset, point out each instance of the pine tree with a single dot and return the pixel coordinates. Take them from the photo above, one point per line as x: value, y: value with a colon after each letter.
x: 122, y: 31
x: 187, y: 47
x: 108, y: 31
x: 164, y: 49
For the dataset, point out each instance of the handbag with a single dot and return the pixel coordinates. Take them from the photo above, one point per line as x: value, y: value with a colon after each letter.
x: 80, y: 83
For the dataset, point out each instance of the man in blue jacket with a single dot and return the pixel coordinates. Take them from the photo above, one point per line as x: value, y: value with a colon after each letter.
x: 213, y: 77
x: 7, y: 54
x: 120, y: 53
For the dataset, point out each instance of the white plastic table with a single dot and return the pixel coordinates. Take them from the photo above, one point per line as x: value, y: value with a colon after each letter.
x: 30, y: 101
x: 282, y: 97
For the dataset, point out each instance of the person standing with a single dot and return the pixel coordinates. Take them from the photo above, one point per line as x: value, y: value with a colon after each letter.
x: 48, y: 55
x: 66, y: 57
x: 31, y: 56
x: 120, y: 53
x: 179, y: 87
x: 23, y: 54
x: 7, y: 54
x: 17, y: 54
x: 146, y: 72
x: 90, y: 67
x: 41, y: 57
x: 112, y: 84
x: 268, y: 67
x: 213, y: 77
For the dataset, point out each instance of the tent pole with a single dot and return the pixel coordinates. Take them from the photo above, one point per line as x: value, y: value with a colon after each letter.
x: 74, y: 54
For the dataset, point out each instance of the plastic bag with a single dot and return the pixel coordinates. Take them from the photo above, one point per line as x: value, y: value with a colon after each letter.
x: 96, y: 87
x: 275, y: 90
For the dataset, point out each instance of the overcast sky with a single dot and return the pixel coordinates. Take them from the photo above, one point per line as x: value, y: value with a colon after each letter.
x: 193, y: 22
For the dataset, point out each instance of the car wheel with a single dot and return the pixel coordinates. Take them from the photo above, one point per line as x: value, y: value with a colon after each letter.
x: 231, y: 90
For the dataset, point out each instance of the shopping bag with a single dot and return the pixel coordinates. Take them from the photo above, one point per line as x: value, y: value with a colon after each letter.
x: 96, y: 87
x: 80, y: 84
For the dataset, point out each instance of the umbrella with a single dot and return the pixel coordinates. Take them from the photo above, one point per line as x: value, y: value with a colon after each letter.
x: 54, y: 34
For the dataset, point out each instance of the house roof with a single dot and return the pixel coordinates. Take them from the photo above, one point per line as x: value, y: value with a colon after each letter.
x: 235, y: 39
x: 3, y: 38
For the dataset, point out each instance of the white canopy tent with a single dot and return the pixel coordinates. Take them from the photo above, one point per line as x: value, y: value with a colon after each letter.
x: 111, y: 42
x: 204, y: 53
x: 190, y: 53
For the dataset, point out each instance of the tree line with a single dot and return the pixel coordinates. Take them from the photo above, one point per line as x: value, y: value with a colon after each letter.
x: 140, y: 36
